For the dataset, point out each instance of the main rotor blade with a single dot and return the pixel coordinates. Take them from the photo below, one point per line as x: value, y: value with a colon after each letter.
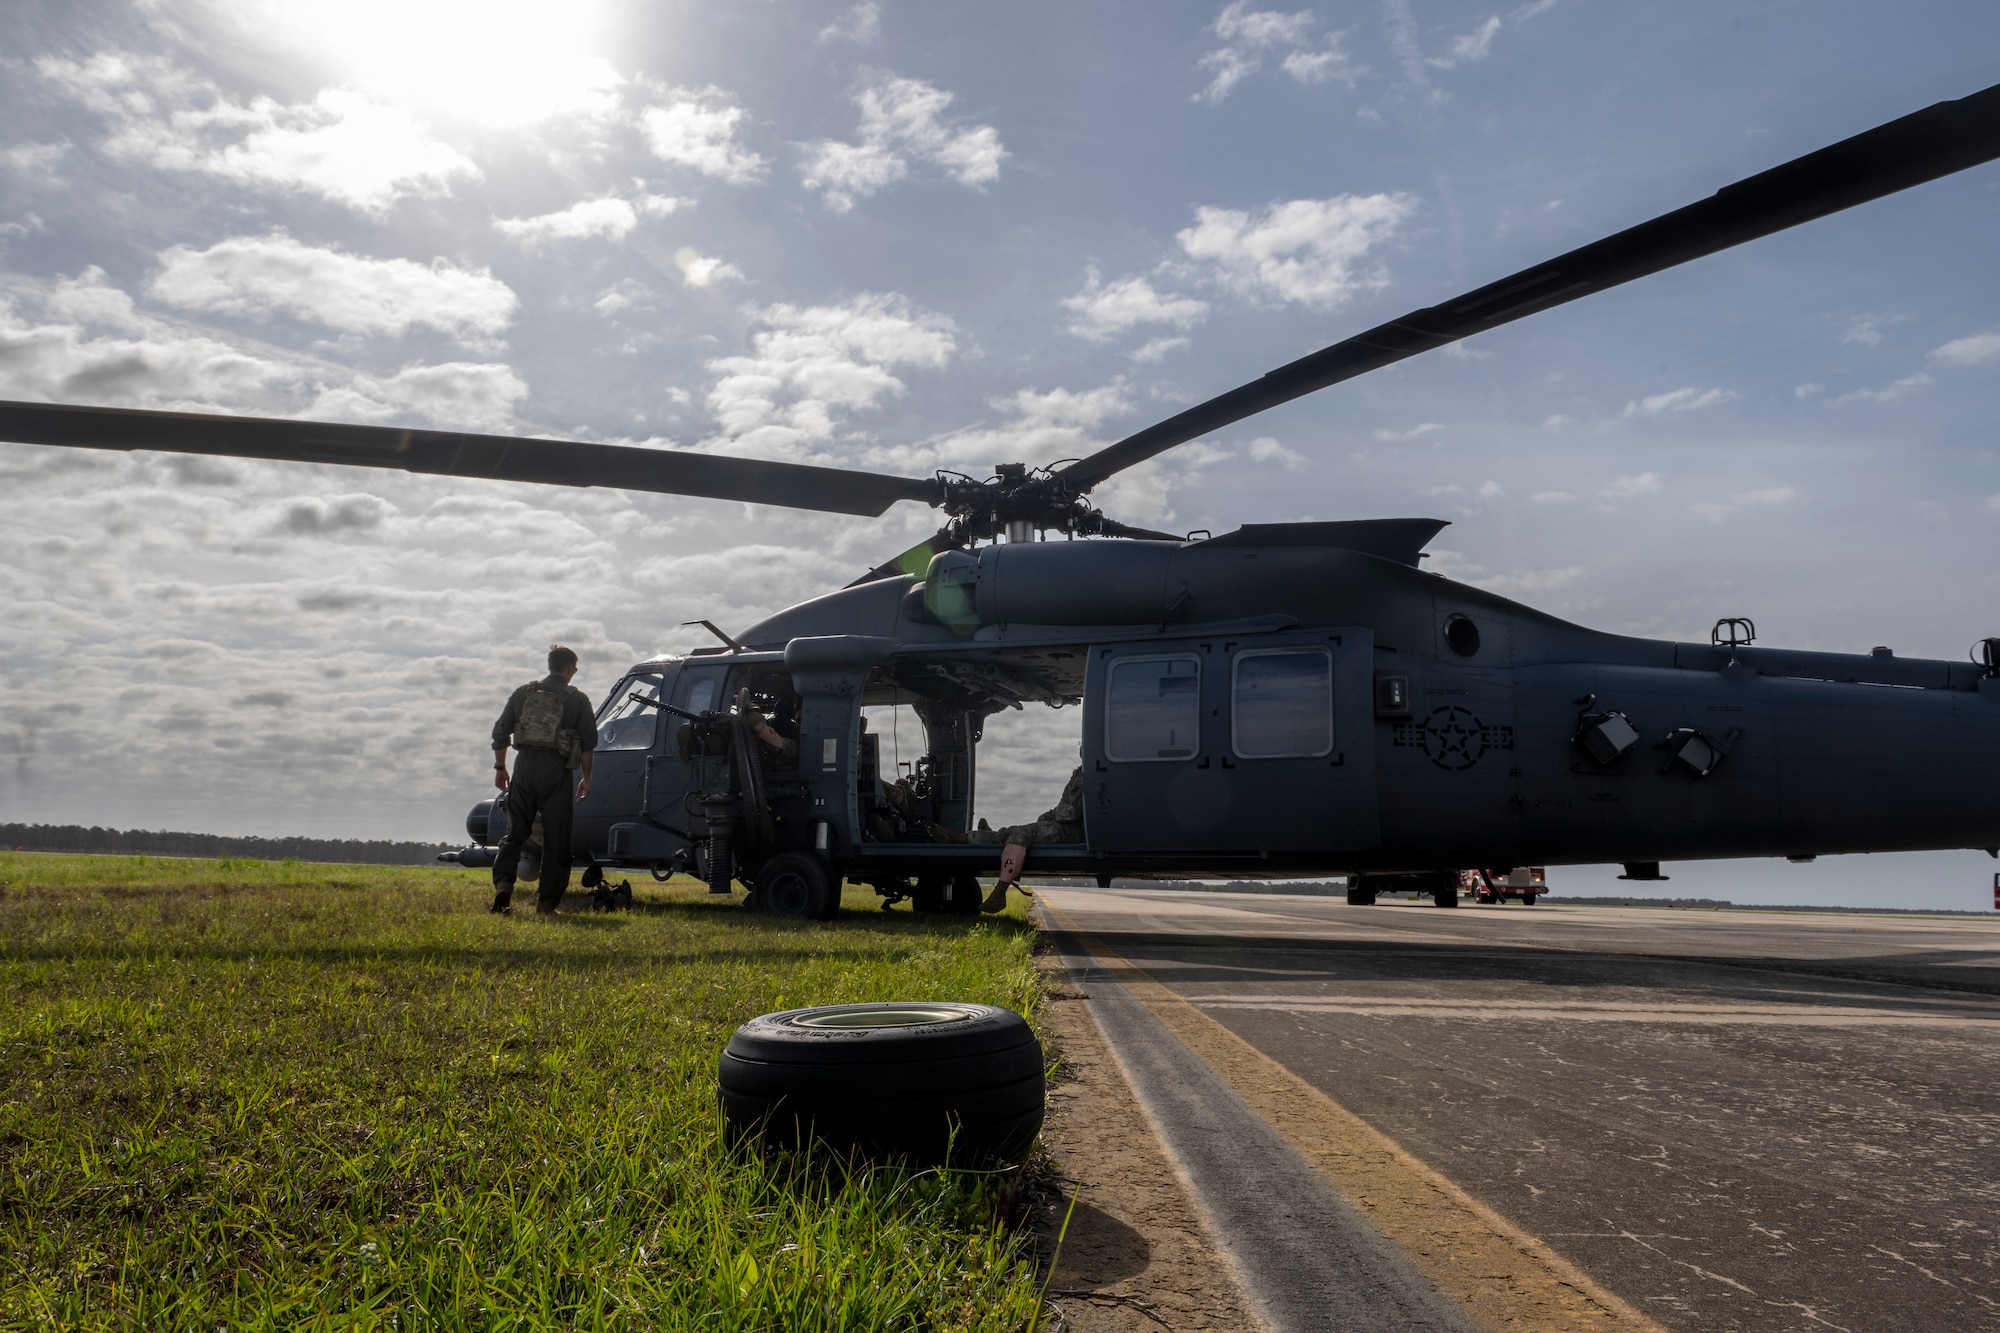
x: 1920, y: 147
x: 452, y: 454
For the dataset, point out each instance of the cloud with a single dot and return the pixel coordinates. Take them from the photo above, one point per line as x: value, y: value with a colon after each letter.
x: 901, y: 122
x: 275, y: 274
x: 458, y: 395
x: 1305, y: 250
x: 1453, y: 565
x: 195, y: 470
x: 1106, y: 311
x: 1902, y: 388
x: 1679, y: 400
x: 611, y: 219
x: 1156, y: 350
x: 1250, y: 36
x: 1416, y: 432
x: 1717, y: 510
x: 811, y: 364
x: 1632, y: 487
x: 341, y: 146
x: 700, y: 270
x: 1993, y: 504
x: 1530, y: 582
x: 314, y: 516
x: 82, y: 340
x: 1551, y: 498
x: 1464, y: 49
x: 34, y: 160
x: 1866, y: 330
x: 1035, y: 427
x: 1264, y: 449
x: 698, y: 129
x: 616, y: 297
x: 1490, y: 490
x: 1468, y: 47
x: 861, y: 24
x: 1978, y: 350
x: 1807, y: 390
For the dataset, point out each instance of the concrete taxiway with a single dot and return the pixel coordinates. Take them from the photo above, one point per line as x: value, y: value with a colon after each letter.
x: 1405, y: 1116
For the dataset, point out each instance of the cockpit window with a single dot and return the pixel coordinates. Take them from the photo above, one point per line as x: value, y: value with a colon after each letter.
x: 625, y: 724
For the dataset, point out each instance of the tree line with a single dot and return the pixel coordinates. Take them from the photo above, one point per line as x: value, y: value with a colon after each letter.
x: 148, y: 842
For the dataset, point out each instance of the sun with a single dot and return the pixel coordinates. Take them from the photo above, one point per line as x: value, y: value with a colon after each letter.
x: 500, y: 63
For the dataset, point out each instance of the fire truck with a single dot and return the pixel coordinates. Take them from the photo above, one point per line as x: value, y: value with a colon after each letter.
x: 1496, y: 886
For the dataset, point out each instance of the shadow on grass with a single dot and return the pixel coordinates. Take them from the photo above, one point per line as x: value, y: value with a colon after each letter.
x: 813, y: 938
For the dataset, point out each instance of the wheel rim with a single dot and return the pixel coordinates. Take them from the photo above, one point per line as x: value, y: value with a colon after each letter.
x: 787, y: 894
x: 894, y: 1014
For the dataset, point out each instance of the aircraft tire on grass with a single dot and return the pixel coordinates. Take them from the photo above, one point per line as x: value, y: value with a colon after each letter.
x: 921, y: 1082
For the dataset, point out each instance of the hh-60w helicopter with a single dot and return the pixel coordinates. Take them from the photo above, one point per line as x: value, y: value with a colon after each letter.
x: 1285, y: 699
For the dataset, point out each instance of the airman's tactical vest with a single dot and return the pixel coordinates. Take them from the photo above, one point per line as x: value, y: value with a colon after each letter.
x: 540, y: 726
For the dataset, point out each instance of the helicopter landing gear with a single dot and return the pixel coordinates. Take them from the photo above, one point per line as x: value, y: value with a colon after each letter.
x: 950, y: 895
x: 797, y: 884
x: 714, y: 864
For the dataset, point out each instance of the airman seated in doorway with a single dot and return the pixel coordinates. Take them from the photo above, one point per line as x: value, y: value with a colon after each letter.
x: 1060, y: 823
x: 906, y: 816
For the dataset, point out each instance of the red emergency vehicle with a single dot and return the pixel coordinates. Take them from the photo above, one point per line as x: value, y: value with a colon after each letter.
x: 1496, y: 886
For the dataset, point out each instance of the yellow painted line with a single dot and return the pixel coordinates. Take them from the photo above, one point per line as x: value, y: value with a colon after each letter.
x: 1505, y: 1010
x: 1503, y: 1277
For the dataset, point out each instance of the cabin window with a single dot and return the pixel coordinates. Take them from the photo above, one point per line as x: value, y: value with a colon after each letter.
x: 701, y: 694
x: 1152, y: 709
x: 1281, y: 703
x: 624, y: 723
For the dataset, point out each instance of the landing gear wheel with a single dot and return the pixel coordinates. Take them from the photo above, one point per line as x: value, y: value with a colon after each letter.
x: 919, y: 1082
x: 796, y: 884
x: 1360, y: 897
x: 662, y: 873
x: 1445, y: 897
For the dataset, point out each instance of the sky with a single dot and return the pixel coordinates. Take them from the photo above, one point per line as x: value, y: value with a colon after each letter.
x: 908, y: 236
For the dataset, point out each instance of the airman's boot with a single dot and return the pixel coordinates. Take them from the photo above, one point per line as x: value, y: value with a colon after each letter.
x: 503, y: 896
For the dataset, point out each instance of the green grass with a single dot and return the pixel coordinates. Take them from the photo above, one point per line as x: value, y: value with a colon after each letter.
x: 255, y: 1095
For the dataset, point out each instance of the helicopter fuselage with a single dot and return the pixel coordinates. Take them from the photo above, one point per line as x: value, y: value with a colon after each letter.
x: 1291, y: 699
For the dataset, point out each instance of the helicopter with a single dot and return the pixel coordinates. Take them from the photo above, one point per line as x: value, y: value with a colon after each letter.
x: 1282, y: 700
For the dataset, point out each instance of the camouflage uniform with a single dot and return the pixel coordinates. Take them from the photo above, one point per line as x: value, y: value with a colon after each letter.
x: 1060, y: 823
x: 541, y: 785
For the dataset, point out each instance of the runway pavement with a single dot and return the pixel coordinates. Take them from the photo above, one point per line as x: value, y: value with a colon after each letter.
x: 1730, y: 1120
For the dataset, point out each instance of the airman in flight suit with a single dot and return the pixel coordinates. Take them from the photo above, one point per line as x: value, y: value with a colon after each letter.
x: 551, y: 727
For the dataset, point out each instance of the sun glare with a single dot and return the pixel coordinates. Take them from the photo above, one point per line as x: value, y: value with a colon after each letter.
x: 496, y: 62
